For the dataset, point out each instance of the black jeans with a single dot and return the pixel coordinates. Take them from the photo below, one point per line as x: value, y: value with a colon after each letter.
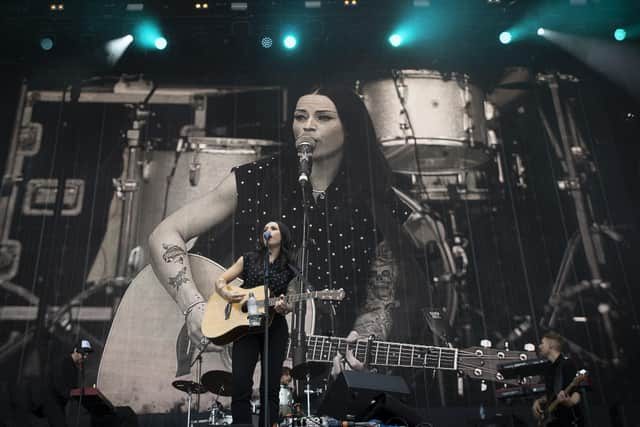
x: 244, y: 359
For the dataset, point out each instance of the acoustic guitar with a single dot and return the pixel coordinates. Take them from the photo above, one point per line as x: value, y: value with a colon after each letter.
x: 224, y: 322
x: 147, y: 345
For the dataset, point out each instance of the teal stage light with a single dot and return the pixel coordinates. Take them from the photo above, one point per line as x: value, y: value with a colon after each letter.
x: 46, y: 43
x: 266, y: 42
x: 620, y: 34
x: 147, y: 34
x: 540, y: 31
x: 290, y: 41
x: 395, y: 40
x: 505, y: 37
x: 160, y: 43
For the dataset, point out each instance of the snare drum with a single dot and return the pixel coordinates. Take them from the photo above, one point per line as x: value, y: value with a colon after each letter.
x: 435, y: 118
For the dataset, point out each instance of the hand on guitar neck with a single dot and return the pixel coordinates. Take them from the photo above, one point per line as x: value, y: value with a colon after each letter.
x: 567, y: 397
x: 347, y: 360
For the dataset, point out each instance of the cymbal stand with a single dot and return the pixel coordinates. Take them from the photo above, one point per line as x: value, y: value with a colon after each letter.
x: 570, y: 152
x: 189, y: 400
x: 308, y: 392
x: 127, y: 189
x: 197, y: 359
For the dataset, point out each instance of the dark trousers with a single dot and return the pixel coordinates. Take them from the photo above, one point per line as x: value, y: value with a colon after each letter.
x: 244, y: 358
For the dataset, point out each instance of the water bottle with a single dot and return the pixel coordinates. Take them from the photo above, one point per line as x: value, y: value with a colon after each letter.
x: 252, y: 310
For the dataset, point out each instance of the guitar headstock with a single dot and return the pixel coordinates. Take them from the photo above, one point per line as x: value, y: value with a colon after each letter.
x: 581, y: 376
x: 482, y: 363
x: 331, y: 294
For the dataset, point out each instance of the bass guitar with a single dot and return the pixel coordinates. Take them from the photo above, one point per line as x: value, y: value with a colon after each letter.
x: 547, y: 416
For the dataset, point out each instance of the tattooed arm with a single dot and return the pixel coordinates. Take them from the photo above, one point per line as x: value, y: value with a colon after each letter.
x: 375, y: 315
x: 168, y: 248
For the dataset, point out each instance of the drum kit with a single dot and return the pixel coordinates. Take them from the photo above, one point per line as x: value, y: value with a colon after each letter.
x: 219, y: 383
x: 438, y: 133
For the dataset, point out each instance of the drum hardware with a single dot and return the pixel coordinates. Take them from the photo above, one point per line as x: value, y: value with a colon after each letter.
x: 191, y: 388
x: 570, y: 154
x: 218, y: 382
x: 218, y: 415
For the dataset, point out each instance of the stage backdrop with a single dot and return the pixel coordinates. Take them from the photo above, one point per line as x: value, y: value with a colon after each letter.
x: 484, y: 230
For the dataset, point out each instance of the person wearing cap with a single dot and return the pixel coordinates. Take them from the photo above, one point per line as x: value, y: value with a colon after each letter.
x: 47, y: 397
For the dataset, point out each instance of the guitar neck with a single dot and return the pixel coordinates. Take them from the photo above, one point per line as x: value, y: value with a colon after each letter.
x: 323, y: 349
x: 290, y: 299
x: 568, y: 390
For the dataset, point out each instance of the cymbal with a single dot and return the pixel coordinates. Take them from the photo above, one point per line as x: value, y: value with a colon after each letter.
x: 218, y: 382
x: 300, y: 371
x: 189, y: 386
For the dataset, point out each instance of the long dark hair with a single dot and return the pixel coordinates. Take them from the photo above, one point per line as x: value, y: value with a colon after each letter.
x: 368, y: 172
x: 286, y: 255
x: 371, y: 180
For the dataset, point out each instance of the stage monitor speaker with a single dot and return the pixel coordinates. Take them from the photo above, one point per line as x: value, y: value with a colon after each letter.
x: 353, y: 393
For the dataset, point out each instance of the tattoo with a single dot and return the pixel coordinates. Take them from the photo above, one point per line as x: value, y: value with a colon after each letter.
x: 179, y: 279
x: 376, y: 314
x: 173, y: 253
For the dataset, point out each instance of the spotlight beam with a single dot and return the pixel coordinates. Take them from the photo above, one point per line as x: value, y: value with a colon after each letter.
x: 616, y: 61
x: 116, y: 48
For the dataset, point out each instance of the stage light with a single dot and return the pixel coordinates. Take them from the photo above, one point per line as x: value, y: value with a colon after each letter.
x: 147, y: 34
x: 266, y: 42
x: 290, y: 41
x: 620, y: 34
x: 160, y: 43
x: 200, y: 5
x: 46, y: 43
x: 540, y: 31
x: 134, y: 7
x: 56, y: 7
x: 350, y: 2
x: 505, y: 37
x: 116, y: 48
x: 395, y: 40
x: 239, y: 6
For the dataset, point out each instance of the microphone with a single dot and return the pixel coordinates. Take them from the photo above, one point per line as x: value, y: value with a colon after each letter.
x: 305, y: 146
x: 266, y: 235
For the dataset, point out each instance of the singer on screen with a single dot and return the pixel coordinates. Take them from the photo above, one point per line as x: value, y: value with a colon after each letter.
x: 355, y: 242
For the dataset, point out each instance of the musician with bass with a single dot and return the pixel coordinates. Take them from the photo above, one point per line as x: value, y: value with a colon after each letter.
x: 560, y: 407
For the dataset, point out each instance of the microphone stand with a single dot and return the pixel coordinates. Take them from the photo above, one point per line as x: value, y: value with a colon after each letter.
x: 265, y: 351
x: 299, y: 341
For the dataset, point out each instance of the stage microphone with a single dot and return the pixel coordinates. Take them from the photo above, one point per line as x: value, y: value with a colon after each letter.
x: 266, y: 235
x: 305, y: 146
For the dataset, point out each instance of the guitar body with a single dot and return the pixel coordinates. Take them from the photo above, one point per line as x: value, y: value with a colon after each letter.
x: 224, y: 322
x: 140, y: 359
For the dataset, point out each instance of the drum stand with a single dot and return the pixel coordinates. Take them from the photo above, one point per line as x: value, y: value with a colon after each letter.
x: 572, y: 153
x: 127, y: 189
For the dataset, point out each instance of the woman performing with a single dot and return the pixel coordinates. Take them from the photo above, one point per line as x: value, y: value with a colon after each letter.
x: 275, y: 244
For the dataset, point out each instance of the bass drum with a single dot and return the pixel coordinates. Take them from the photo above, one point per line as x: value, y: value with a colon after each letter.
x: 435, y: 118
x: 147, y: 348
